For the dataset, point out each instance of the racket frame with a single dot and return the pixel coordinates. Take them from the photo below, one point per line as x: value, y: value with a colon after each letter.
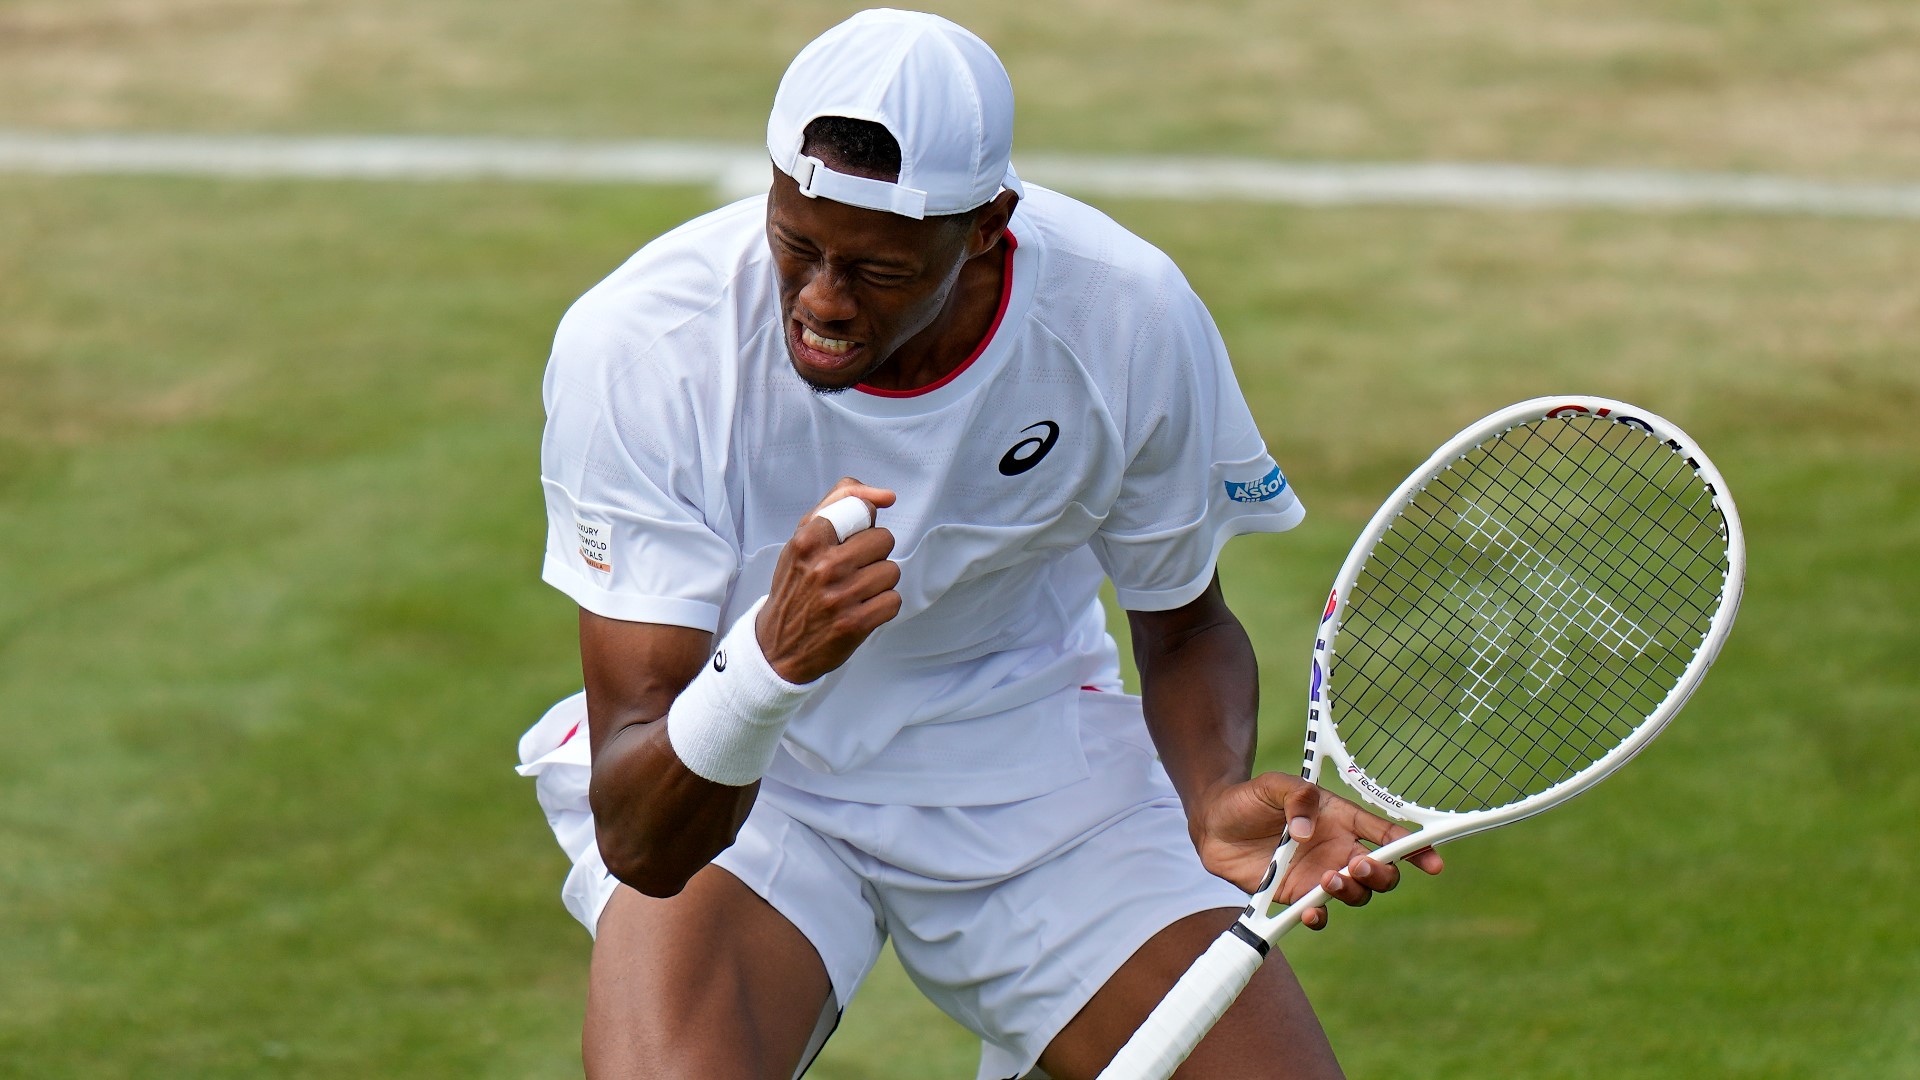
x: 1204, y: 993
x: 1455, y: 824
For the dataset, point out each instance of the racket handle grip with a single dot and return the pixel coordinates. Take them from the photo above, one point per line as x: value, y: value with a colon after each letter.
x: 1188, y: 1011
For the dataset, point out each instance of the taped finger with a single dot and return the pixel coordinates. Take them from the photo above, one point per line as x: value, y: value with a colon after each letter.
x: 847, y: 515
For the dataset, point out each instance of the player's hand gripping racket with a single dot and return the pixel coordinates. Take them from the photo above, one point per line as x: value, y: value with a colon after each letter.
x: 1525, y: 613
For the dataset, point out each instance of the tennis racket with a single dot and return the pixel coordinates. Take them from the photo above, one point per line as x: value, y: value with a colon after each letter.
x: 1524, y: 614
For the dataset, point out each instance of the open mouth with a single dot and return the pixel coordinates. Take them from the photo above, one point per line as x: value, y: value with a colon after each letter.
x: 833, y: 346
x: 822, y: 353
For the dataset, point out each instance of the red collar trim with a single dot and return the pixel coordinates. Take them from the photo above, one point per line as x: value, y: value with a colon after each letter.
x: 1006, y: 297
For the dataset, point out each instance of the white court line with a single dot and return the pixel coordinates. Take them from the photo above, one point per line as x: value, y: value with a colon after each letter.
x: 734, y: 170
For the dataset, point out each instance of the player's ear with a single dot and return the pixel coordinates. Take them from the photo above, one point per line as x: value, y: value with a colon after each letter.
x: 989, y: 222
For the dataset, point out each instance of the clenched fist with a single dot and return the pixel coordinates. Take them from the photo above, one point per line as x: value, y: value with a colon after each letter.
x: 828, y: 596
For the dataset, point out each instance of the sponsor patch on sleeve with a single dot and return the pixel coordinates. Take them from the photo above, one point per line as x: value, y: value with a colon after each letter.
x: 1252, y: 491
x: 594, y: 547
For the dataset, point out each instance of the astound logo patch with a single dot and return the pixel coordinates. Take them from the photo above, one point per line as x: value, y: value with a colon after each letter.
x: 1027, y: 453
x: 1260, y: 490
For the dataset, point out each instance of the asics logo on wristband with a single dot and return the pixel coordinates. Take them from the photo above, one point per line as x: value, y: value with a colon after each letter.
x: 1028, y: 451
x: 720, y: 660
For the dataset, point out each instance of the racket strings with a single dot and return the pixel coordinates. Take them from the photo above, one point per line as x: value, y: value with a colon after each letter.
x: 1502, y: 539
x: 1526, y: 613
x: 1483, y: 643
x: 1618, y: 494
x: 1446, y: 758
x: 1699, y: 510
x: 1548, y: 587
x: 1472, y: 775
x: 1564, y: 546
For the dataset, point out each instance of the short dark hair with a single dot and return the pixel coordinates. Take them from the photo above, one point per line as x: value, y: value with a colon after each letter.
x: 853, y: 144
x: 867, y: 147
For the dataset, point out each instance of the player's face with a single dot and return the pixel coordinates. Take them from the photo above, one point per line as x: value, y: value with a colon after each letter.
x: 855, y: 284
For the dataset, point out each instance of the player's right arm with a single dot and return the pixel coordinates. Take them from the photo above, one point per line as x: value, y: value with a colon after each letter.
x: 657, y: 820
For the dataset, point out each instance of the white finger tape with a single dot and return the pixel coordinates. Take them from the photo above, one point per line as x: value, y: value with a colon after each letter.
x: 847, y: 516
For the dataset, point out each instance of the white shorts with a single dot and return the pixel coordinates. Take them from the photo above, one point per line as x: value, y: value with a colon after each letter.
x: 1007, y: 917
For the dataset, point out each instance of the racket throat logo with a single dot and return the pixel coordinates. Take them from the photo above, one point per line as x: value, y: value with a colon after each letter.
x: 1375, y: 794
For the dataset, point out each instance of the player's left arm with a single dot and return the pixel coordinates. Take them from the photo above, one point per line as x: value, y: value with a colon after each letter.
x: 1200, y: 685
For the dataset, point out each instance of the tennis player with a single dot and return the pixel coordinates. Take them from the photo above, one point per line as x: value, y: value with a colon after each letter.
x: 823, y: 712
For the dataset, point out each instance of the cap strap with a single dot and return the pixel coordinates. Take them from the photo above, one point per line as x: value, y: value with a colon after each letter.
x: 817, y: 181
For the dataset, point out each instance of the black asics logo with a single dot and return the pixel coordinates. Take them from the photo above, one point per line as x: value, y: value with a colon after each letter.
x: 1028, y: 451
x: 720, y: 660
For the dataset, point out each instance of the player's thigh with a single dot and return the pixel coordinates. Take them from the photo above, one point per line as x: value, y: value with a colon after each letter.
x: 1270, y: 1031
x: 713, y: 983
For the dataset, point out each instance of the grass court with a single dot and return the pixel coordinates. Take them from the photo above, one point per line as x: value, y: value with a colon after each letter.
x: 270, y: 616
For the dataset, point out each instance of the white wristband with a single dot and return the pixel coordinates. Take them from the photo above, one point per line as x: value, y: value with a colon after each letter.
x: 727, y: 723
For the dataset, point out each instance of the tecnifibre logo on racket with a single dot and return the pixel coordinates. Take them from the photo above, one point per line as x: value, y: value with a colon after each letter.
x: 1260, y: 490
x: 1379, y: 795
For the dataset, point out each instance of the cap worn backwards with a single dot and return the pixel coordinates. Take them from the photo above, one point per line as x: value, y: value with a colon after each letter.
x: 936, y: 87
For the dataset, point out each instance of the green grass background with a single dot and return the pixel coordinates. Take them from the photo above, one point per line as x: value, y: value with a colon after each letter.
x: 269, y: 514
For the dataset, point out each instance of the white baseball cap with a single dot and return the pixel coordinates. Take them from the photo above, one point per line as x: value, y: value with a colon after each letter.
x: 937, y: 88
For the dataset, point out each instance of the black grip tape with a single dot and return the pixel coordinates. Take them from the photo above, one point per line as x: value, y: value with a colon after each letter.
x: 1254, y: 941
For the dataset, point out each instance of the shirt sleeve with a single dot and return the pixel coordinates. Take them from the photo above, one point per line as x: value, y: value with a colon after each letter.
x: 629, y: 532
x: 1198, y: 472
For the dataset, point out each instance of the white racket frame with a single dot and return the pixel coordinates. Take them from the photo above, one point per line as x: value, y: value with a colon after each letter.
x: 1203, y: 994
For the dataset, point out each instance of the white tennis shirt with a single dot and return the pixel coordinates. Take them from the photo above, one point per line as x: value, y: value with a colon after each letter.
x: 1098, y: 430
